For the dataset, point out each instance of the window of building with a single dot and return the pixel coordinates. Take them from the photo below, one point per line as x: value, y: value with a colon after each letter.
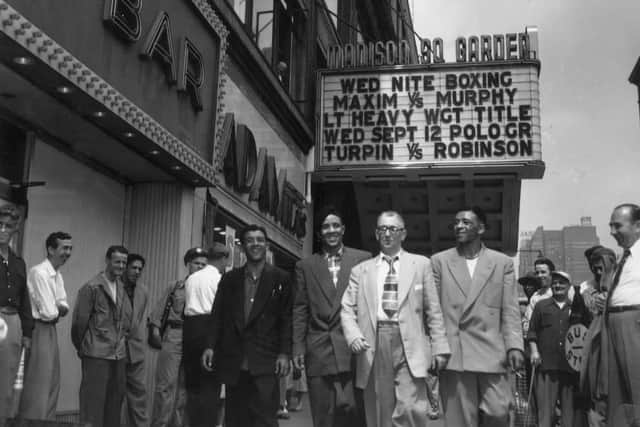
x: 240, y: 7
x: 332, y: 7
x: 223, y: 227
x: 277, y: 27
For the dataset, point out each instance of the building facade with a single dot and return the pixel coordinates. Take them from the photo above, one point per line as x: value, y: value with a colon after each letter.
x: 160, y: 126
x: 564, y: 247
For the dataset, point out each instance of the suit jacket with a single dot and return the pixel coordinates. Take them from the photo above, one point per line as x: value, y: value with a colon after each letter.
x: 417, y: 303
x: 267, y: 331
x: 317, y: 331
x: 481, y: 314
x: 100, y: 326
x: 136, y: 344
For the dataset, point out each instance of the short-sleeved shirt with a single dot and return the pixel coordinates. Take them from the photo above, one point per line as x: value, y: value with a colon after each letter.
x: 548, y: 328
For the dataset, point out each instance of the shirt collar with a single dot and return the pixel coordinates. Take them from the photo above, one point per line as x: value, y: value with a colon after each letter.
x: 635, y: 248
x: 49, y: 268
x: 380, y: 257
x: 337, y: 255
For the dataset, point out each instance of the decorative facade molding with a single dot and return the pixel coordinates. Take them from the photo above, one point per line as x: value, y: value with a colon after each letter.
x: 40, y: 45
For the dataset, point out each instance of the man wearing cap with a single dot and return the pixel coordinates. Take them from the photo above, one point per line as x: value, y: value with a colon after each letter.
x: 203, y: 387
x: 15, y: 308
x: 622, y: 314
x: 166, y: 324
x: 319, y: 346
x: 555, y: 379
x: 48, y: 305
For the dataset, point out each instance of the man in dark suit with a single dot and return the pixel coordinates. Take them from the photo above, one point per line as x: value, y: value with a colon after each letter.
x: 136, y: 394
x: 319, y: 346
x: 250, y: 337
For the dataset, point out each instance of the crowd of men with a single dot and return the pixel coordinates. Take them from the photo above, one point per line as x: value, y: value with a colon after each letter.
x: 390, y: 339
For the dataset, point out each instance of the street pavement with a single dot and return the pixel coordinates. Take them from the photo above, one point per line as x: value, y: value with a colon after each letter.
x: 303, y: 417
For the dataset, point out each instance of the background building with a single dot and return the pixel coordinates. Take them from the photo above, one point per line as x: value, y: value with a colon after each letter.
x: 564, y: 247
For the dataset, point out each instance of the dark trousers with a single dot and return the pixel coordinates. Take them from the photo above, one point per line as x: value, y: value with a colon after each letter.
x: 203, y: 387
x: 102, y: 391
x: 550, y: 387
x: 332, y: 400
x: 136, y: 394
x: 252, y: 401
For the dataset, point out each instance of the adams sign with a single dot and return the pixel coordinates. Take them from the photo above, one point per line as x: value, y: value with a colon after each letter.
x: 422, y: 116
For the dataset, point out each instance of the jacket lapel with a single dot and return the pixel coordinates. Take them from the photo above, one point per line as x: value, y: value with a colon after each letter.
x: 370, y: 290
x: 237, y: 297
x: 460, y: 272
x: 407, y: 271
x: 481, y: 275
x: 343, y: 277
x: 265, y: 285
x: 320, y: 270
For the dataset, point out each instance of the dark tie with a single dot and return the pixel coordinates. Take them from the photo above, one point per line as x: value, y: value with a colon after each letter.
x: 390, y: 289
x: 616, y: 277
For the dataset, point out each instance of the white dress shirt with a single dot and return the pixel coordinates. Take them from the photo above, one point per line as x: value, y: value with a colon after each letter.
x: 471, y: 265
x: 628, y: 290
x: 383, y: 269
x: 46, y: 291
x: 200, y: 291
x: 113, y: 288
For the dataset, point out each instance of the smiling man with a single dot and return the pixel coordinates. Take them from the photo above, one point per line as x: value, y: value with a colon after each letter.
x: 319, y: 346
x: 48, y: 303
x: 623, y: 313
x: 555, y: 380
x: 392, y: 321
x: 480, y: 304
x: 250, y: 335
x: 99, y: 329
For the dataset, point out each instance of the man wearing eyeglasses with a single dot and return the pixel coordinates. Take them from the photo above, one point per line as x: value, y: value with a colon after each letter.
x: 319, y: 345
x: 480, y: 304
x: 392, y: 320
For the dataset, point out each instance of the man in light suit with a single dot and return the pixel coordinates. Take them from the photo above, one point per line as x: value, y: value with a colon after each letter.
x: 319, y: 345
x: 480, y: 304
x: 383, y: 317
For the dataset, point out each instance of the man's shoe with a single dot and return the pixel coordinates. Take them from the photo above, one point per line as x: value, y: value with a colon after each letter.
x: 283, y: 414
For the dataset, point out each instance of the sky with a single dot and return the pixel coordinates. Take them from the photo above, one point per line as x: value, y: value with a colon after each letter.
x: 589, y: 110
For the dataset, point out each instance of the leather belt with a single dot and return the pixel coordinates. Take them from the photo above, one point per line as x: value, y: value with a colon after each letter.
x: 174, y: 324
x: 47, y: 322
x: 9, y: 310
x: 621, y: 308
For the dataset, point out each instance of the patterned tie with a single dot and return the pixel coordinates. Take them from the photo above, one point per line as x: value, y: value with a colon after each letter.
x: 334, y: 267
x: 390, y: 289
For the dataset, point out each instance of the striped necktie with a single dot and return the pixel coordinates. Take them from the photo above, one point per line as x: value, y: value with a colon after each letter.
x: 390, y: 289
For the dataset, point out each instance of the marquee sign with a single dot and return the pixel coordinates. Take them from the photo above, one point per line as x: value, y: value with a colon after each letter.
x: 424, y: 116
